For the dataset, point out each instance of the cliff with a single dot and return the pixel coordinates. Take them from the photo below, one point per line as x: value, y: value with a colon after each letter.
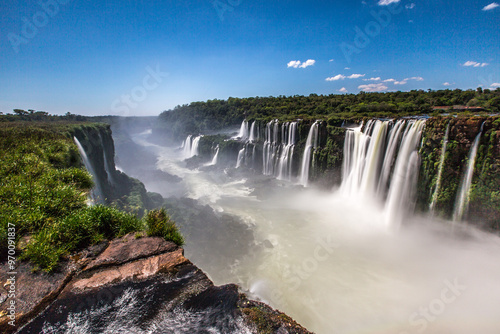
x: 136, y: 284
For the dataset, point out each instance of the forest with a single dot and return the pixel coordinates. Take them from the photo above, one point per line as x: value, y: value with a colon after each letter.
x: 200, y: 117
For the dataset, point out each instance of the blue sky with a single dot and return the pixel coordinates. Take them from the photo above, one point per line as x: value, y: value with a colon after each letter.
x: 141, y: 57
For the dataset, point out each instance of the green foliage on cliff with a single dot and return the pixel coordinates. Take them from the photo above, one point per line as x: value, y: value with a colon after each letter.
x: 43, y: 193
x: 199, y: 117
x: 159, y: 224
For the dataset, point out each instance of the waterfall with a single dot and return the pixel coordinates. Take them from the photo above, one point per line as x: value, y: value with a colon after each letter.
x: 190, y: 146
x: 96, y: 195
x: 216, y: 156
x: 271, y: 147
x: 241, y: 157
x: 403, y: 184
x: 311, y: 143
x: 288, y: 139
x: 243, y: 134
x: 187, y: 147
x: 254, y: 132
x: 370, y: 155
x: 463, y: 196
x: 440, y: 169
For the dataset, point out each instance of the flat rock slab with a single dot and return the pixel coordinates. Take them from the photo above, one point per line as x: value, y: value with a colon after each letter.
x: 129, y: 248
x: 138, y: 270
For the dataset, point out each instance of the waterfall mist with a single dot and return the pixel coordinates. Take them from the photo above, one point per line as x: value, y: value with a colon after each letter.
x: 330, y: 259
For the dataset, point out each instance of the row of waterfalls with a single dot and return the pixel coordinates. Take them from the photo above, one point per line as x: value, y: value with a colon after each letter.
x: 381, y: 160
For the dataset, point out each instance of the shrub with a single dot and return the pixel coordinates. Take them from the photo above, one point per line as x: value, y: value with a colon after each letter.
x: 159, y: 224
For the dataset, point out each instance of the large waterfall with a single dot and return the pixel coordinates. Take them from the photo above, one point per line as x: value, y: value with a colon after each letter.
x: 311, y: 144
x: 96, y: 194
x: 370, y: 156
x: 462, y: 202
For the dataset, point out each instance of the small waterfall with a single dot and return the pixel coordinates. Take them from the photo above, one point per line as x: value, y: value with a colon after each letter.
x: 190, y: 146
x: 288, y: 139
x: 271, y: 147
x: 96, y: 195
x: 187, y: 147
x: 403, y: 184
x: 463, y: 196
x: 311, y: 143
x: 216, y: 156
x: 440, y: 169
x: 244, y: 133
x: 390, y: 154
x: 254, y: 132
x: 241, y: 157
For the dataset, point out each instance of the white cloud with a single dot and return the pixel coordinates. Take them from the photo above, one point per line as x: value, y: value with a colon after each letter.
x: 415, y: 78
x: 309, y: 62
x: 447, y: 84
x: 491, y: 6
x: 389, y: 80
x: 410, y: 6
x: 355, y: 76
x: 373, y: 79
x: 495, y: 85
x: 347, y: 68
x: 380, y: 87
x: 331, y: 60
x: 343, y: 90
x: 335, y: 78
x: 474, y: 64
x: 404, y: 82
x: 298, y: 63
x: 387, y: 2
x: 342, y: 77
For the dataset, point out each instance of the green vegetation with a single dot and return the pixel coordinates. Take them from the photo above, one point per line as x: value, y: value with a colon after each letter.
x: 43, y: 193
x: 159, y: 224
x: 199, y: 117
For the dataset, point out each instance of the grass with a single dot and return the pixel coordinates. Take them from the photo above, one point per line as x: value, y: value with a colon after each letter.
x: 44, y: 190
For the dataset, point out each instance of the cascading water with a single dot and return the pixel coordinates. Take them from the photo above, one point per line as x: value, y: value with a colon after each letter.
x: 462, y: 201
x: 289, y: 139
x: 271, y: 147
x: 96, y: 195
x: 254, y: 132
x: 244, y: 133
x: 368, y: 161
x: 190, y: 146
x: 440, y: 169
x: 216, y: 156
x: 311, y: 144
x: 241, y: 157
x: 403, y: 184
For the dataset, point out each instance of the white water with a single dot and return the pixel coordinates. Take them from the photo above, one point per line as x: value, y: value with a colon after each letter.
x: 271, y: 148
x: 244, y: 133
x: 288, y: 140
x: 311, y: 144
x: 254, y: 132
x: 241, y: 158
x: 107, y: 166
x: 190, y: 146
x: 462, y: 201
x: 335, y: 267
x: 215, y: 158
x: 440, y: 169
x: 96, y: 195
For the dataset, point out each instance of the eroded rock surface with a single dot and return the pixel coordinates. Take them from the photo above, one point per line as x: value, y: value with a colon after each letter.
x: 140, y: 285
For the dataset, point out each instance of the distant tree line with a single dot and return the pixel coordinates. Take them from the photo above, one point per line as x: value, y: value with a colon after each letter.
x: 216, y: 114
x: 36, y: 115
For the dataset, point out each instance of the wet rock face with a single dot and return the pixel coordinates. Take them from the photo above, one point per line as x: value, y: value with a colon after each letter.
x: 145, y: 285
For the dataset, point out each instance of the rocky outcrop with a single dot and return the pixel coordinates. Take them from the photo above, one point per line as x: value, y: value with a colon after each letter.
x: 136, y: 284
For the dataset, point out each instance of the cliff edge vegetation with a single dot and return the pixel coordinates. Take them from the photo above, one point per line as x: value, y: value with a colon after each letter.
x: 44, y: 190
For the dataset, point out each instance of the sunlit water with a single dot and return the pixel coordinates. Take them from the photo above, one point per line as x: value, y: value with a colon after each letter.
x: 336, y: 268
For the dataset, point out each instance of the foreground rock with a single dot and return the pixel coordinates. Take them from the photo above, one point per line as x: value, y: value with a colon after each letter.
x: 137, y: 285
